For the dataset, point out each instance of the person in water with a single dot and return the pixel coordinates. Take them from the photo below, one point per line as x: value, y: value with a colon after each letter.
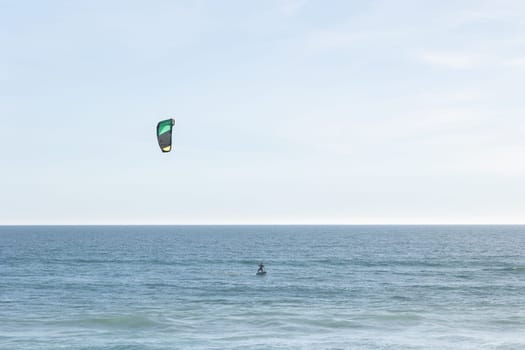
x: 261, y: 267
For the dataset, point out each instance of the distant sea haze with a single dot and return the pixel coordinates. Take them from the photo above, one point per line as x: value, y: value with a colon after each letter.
x: 327, y: 287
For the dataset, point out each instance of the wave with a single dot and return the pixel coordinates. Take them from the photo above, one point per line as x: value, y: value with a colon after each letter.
x: 122, y: 347
x: 134, y: 322
x: 509, y: 269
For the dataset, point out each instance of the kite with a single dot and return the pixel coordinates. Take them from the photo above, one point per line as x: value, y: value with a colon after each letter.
x: 164, y: 130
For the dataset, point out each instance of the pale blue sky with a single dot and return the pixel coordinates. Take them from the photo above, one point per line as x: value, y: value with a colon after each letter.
x: 287, y: 112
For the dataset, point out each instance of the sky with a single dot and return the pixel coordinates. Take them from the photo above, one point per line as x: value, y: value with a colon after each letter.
x: 287, y: 112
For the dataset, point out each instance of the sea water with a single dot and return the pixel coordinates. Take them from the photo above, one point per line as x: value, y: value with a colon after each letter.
x: 327, y: 287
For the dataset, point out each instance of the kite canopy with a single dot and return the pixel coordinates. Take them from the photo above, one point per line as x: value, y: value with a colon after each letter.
x: 164, y: 130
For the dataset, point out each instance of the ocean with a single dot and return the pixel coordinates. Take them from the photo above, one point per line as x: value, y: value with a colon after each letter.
x: 327, y: 287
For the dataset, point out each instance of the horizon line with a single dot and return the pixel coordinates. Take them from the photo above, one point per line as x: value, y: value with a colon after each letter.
x: 276, y: 224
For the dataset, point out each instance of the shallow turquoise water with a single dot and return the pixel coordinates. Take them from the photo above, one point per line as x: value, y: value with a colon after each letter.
x: 327, y: 287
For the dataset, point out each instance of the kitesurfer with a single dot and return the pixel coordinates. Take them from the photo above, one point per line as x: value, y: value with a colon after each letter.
x: 261, y: 268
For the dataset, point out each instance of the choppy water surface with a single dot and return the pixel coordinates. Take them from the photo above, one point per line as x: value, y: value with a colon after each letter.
x: 327, y: 287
